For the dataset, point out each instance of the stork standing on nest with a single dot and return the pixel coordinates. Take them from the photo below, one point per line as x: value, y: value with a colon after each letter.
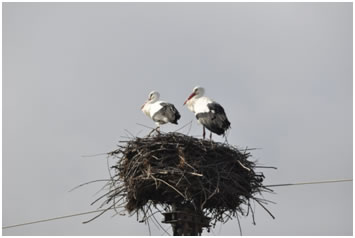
x: 159, y: 111
x: 208, y: 113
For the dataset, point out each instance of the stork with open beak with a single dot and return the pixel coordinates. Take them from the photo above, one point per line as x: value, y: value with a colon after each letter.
x: 159, y: 111
x: 208, y: 113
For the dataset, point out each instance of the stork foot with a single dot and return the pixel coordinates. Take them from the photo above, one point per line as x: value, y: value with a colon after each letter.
x: 156, y: 130
x: 151, y: 132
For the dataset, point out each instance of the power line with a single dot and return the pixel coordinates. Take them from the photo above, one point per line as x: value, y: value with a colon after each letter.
x: 85, y: 213
x: 55, y: 218
x: 306, y: 183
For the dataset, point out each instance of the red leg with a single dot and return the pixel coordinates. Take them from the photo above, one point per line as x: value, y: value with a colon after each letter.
x: 204, y: 132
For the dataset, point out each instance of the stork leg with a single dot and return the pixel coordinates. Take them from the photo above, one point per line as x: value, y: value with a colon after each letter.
x: 210, y: 135
x: 158, y: 130
x: 204, y: 132
x: 151, y: 132
x: 225, y: 140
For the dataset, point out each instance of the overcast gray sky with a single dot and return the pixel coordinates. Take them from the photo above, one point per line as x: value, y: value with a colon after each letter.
x: 76, y: 74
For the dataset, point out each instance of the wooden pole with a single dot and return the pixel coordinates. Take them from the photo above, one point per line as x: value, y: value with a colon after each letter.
x: 186, y: 221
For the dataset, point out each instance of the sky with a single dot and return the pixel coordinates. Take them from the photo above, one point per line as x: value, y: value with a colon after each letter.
x: 76, y: 74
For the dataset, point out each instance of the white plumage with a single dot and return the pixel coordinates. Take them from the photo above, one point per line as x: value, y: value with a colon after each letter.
x: 159, y: 111
x: 153, y: 105
x: 208, y: 112
x: 199, y: 104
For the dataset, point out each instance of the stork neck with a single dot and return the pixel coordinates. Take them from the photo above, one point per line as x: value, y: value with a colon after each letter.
x: 197, y: 96
x: 190, y: 104
x: 153, y: 100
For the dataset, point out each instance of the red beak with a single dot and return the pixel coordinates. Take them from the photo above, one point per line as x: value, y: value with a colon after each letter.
x: 192, y: 94
x: 143, y: 105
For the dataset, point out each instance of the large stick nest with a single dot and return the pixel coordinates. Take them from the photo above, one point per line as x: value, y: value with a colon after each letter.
x: 172, y: 168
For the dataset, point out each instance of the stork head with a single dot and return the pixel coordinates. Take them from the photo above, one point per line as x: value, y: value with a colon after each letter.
x: 153, y: 97
x: 196, y: 93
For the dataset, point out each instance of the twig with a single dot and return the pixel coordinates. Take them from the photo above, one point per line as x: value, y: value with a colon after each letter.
x: 171, y: 187
x: 265, y: 208
x: 83, y: 184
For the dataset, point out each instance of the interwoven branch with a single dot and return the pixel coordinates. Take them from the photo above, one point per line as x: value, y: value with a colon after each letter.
x: 176, y: 169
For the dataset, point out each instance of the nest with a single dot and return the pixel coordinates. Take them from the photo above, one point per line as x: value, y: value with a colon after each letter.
x: 174, y: 169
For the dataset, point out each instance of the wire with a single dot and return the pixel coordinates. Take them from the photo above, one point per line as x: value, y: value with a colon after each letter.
x: 306, y: 183
x: 85, y: 213
x: 52, y: 219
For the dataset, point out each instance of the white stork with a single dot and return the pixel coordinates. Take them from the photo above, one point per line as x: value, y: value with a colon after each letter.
x: 208, y: 113
x: 159, y: 111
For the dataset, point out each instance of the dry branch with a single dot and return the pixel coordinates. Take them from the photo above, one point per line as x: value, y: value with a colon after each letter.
x: 172, y: 169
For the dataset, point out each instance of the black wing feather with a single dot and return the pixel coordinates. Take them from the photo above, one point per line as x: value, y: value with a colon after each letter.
x: 215, y: 120
x: 168, y: 111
